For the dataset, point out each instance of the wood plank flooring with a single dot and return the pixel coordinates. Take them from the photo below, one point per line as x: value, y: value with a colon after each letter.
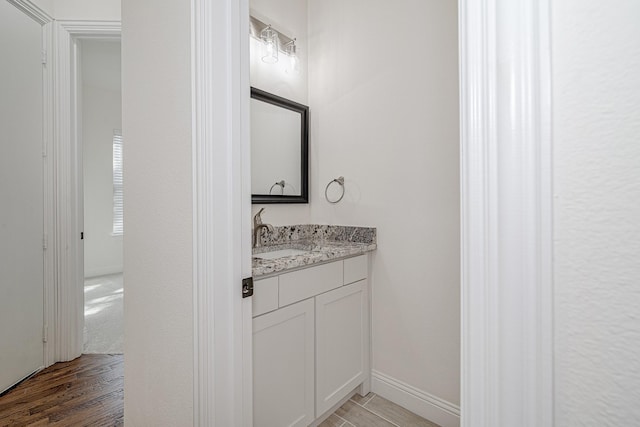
x: 374, y: 411
x: 87, y: 391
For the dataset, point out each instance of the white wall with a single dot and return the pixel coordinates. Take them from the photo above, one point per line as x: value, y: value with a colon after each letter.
x: 290, y: 17
x: 596, y: 75
x: 99, y: 10
x: 45, y: 5
x: 101, y: 115
x: 158, y: 263
x: 383, y: 90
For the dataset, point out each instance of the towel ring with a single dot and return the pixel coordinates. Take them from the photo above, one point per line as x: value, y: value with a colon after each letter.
x: 340, y: 181
x: 280, y: 184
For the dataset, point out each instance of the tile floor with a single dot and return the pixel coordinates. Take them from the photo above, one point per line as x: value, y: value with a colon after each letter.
x: 374, y: 411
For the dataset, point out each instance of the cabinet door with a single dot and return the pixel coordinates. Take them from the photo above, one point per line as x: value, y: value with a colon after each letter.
x: 342, y: 334
x: 283, y: 366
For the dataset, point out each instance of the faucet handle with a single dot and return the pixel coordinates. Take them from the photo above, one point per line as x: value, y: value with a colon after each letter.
x: 257, y: 219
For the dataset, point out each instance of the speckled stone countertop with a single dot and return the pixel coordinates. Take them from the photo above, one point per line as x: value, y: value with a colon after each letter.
x: 323, y: 243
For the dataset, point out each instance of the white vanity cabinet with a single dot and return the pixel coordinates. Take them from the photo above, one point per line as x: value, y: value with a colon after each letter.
x: 283, y: 367
x: 342, y: 338
x: 310, y: 341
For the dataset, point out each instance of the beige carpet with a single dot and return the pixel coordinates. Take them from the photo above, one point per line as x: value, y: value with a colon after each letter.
x: 103, y: 315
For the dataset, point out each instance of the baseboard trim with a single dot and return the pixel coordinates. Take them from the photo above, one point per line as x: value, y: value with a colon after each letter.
x: 441, y: 412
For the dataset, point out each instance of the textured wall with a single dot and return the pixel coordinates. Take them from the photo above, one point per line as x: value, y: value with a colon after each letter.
x: 596, y: 56
x: 383, y: 88
x: 158, y: 263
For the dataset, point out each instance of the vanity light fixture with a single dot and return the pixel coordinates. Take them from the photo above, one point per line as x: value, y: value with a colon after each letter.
x: 294, y: 64
x: 270, y: 42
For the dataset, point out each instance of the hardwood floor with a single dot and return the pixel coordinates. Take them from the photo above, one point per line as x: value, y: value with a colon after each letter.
x: 87, y: 391
x: 374, y: 411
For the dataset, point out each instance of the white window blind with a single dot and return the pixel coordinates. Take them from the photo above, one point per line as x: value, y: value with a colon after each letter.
x: 118, y: 199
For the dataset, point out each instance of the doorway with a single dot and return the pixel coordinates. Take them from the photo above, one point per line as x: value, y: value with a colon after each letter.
x: 100, y: 121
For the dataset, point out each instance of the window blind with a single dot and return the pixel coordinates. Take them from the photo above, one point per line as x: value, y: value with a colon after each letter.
x: 118, y: 199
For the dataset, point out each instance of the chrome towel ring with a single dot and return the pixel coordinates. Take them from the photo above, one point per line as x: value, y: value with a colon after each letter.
x: 340, y: 181
x: 280, y: 184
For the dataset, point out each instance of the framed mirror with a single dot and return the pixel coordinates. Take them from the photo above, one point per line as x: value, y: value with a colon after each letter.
x: 279, y: 149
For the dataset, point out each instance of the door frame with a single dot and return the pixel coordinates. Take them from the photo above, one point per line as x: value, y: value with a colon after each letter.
x: 506, y: 209
x: 65, y: 300
x: 507, y: 212
x: 222, y: 210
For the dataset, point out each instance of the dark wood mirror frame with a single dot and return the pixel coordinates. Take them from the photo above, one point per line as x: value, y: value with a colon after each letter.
x: 303, y: 110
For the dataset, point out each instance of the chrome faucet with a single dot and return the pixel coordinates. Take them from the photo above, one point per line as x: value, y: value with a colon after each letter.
x: 257, y: 229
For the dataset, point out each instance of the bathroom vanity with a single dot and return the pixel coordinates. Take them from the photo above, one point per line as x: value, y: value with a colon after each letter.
x: 311, y: 322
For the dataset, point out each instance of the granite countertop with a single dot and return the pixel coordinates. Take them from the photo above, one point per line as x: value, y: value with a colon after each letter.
x: 322, y: 243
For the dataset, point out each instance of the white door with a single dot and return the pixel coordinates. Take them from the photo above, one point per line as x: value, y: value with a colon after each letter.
x: 21, y: 196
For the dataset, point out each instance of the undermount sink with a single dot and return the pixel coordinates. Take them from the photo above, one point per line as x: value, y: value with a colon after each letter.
x: 280, y: 253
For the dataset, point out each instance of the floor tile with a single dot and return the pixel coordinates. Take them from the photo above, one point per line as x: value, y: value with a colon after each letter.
x: 332, y: 421
x: 395, y: 413
x: 361, y: 400
x: 360, y: 417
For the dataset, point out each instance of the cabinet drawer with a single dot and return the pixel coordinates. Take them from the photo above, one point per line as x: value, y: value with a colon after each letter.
x: 265, y: 295
x: 303, y: 284
x: 355, y: 269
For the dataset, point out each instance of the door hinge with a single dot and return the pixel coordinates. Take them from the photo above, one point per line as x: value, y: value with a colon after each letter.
x: 82, y: 235
x: 247, y: 287
x: 45, y: 241
x: 45, y: 333
x: 44, y: 57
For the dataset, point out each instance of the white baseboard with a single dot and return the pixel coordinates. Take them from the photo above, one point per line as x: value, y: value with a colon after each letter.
x: 102, y: 271
x: 434, y: 409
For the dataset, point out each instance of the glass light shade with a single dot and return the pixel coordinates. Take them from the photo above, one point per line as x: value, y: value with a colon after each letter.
x: 270, y: 45
x: 294, y: 63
